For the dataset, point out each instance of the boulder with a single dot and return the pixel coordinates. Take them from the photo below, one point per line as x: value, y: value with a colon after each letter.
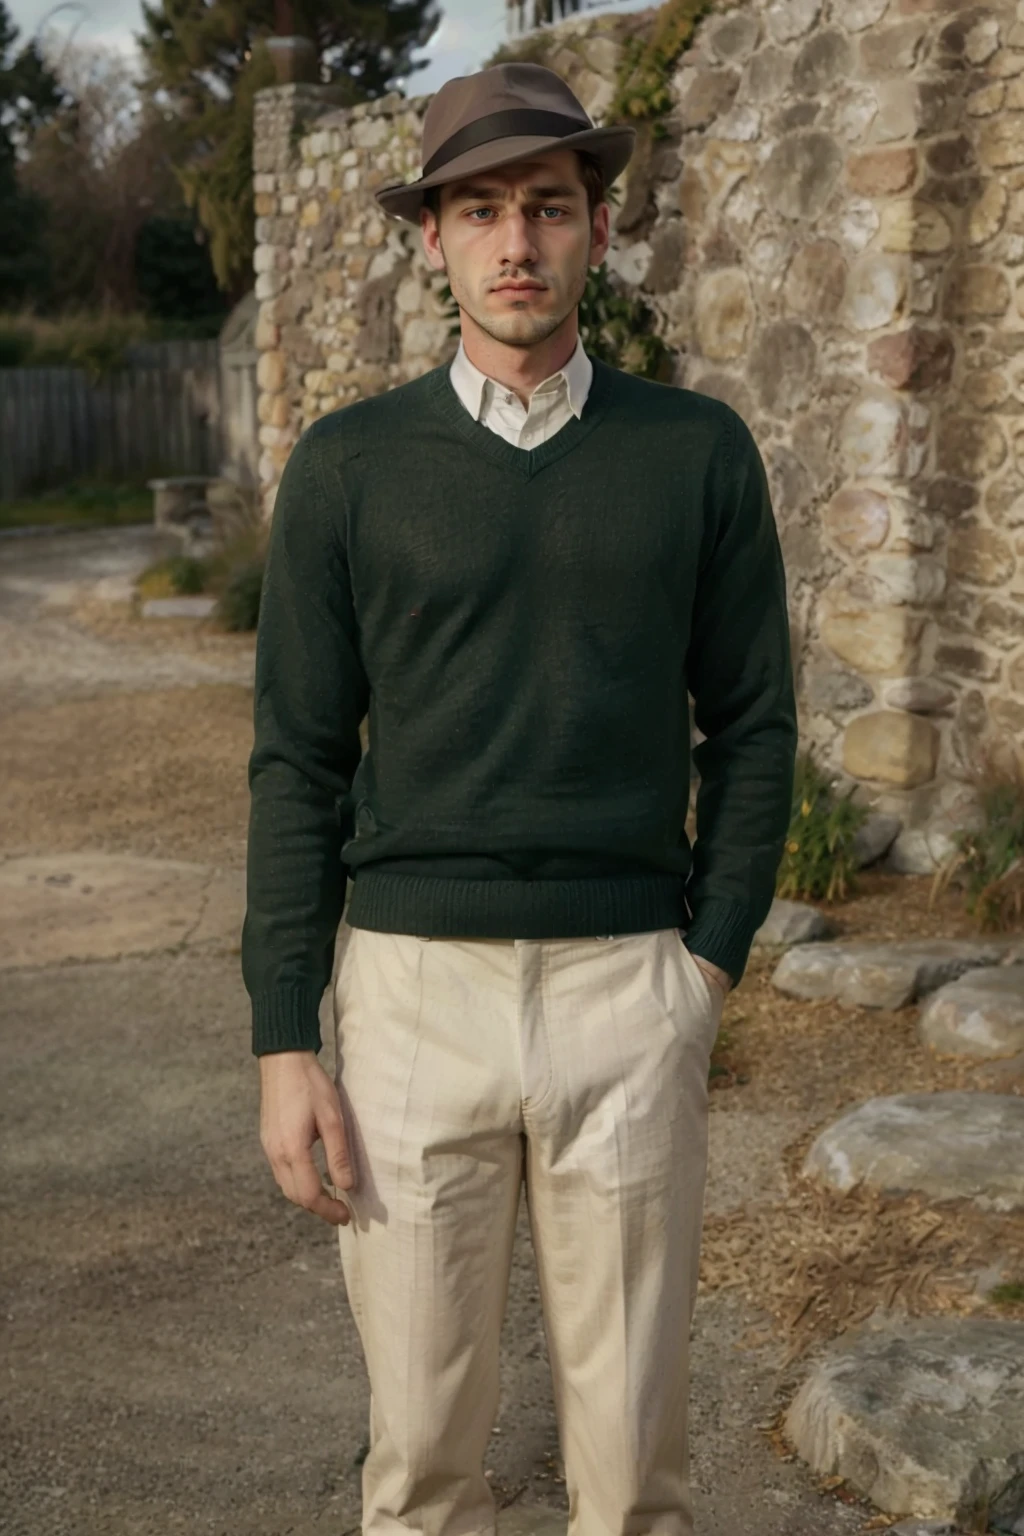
x: 981, y: 1014
x: 917, y: 851
x: 790, y: 922
x: 888, y: 976
x: 194, y: 607
x: 950, y: 1146
x: 923, y: 1415
x: 874, y: 837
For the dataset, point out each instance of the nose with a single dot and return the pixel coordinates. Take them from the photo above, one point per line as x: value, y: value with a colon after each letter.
x: 517, y: 242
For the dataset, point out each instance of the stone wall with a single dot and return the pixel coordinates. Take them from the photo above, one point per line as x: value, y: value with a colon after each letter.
x: 830, y: 229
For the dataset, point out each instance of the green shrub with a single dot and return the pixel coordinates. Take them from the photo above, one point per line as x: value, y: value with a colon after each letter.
x: 173, y: 576
x: 988, y: 860
x: 817, y: 863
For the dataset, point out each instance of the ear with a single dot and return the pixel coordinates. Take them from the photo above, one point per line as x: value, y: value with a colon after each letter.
x: 600, y: 234
x: 431, y: 235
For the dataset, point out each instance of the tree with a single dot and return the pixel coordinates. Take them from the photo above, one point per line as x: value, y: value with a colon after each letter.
x: 29, y: 95
x: 206, y: 59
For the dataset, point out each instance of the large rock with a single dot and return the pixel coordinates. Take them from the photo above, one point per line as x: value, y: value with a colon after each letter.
x: 950, y: 1146
x: 889, y: 976
x: 924, y: 1414
x: 981, y: 1014
x: 791, y: 922
x: 874, y: 837
x: 919, y: 851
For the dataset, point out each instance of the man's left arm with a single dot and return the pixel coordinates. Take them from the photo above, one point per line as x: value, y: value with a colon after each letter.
x: 739, y: 671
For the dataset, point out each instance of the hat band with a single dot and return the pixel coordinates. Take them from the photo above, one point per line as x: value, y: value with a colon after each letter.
x: 503, y: 125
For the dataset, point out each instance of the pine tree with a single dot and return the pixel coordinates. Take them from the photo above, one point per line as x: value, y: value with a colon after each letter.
x: 29, y: 96
x: 205, y: 60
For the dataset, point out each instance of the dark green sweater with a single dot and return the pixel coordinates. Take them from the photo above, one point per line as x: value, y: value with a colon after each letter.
x: 523, y: 628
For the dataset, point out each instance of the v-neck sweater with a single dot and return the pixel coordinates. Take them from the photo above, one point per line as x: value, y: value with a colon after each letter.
x: 523, y: 629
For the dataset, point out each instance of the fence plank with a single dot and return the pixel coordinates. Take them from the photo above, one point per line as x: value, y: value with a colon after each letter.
x: 160, y: 415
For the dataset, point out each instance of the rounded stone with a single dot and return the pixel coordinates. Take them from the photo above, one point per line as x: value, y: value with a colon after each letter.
x: 970, y: 446
x: 883, y: 641
x: 920, y: 695
x: 271, y: 372
x: 976, y: 291
x: 789, y: 19
x: 1001, y: 142
x: 781, y: 367
x: 947, y: 1145
x: 816, y: 279
x: 800, y: 173
x: 873, y: 437
x: 858, y: 519
x: 979, y: 555
x: 882, y: 172
x: 912, y: 226
x: 725, y: 314
x: 824, y: 58
x: 875, y: 291
x: 891, y: 747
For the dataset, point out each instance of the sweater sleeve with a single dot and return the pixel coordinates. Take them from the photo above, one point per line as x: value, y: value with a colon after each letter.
x: 739, y: 671
x: 311, y: 693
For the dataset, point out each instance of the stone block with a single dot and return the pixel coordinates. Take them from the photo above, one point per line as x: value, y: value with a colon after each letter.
x: 876, y: 291
x: 980, y: 1015
x: 790, y: 19
x: 857, y: 518
x: 986, y: 390
x: 836, y: 693
x: 873, y: 437
x: 768, y: 75
x: 724, y: 314
x: 913, y: 226
x: 970, y: 447
x: 782, y: 367
x: 272, y: 371
x: 800, y: 173
x: 892, y: 747
x: 948, y: 1146
x: 885, y: 641
x: 980, y: 555
x: 920, y: 695
x: 885, y: 50
x: 1001, y: 140
x: 734, y: 36
x: 907, y: 578
x: 965, y: 660
x: 858, y: 14
x: 816, y: 279
x: 808, y: 971
x: 975, y: 291
x: 825, y: 58
x: 924, y: 1414
x: 709, y: 93
x: 882, y: 172
x: 791, y: 922
x: 914, y: 359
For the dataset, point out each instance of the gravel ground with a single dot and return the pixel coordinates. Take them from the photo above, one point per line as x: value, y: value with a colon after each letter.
x: 179, y: 1354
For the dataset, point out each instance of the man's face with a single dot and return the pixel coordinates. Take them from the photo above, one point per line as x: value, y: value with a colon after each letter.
x: 516, y: 244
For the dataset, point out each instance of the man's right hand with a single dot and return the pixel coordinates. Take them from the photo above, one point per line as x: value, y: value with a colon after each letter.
x: 299, y: 1106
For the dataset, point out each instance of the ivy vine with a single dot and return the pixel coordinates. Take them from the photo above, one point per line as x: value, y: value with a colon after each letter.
x: 644, y: 84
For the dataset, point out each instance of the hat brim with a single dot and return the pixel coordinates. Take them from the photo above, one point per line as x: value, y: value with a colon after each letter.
x: 613, y: 146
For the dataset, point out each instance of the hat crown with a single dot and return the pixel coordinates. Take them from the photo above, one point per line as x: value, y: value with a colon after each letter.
x: 502, y: 88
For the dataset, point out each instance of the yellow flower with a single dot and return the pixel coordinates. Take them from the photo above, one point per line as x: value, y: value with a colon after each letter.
x: 792, y: 847
x: 805, y: 809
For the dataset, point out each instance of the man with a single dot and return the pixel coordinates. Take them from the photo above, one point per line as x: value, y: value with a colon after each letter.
x: 519, y: 566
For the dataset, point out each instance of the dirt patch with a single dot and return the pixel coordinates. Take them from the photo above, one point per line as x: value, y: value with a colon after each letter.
x: 160, y: 774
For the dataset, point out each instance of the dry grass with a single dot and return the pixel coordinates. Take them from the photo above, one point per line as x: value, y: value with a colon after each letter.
x: 819, y: 1261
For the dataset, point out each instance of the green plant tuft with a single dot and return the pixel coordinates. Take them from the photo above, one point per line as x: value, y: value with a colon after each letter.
x: 618, y: 328
x: 1009, y: 1295
x: 643, y: 90
x: 988, y: 860
x: 238, y: 606
x: 817, y: 862
x: 173, y: 576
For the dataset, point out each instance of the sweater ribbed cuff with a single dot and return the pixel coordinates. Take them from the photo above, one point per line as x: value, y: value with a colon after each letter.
x: 287, y: 1019
x: 722, y: 932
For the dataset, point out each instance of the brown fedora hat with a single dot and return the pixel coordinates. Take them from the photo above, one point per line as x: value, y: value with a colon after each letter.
x: 506, y: 113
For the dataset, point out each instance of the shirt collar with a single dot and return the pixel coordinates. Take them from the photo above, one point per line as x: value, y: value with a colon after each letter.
x: 575, y: 377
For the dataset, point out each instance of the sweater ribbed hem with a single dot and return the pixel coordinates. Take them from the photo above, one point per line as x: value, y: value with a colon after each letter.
x: 444, y: 906
x: 286, y: 1019
x: 722, y: 932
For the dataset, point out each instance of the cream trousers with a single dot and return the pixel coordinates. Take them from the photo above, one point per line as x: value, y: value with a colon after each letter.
x: 463, y: 1066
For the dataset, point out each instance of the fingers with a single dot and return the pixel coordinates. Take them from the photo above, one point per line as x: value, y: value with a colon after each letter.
x: 301, y: 1182
x: 339, y: 1164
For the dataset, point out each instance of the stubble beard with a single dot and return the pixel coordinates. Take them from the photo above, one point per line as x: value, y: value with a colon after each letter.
x: 518, y: 327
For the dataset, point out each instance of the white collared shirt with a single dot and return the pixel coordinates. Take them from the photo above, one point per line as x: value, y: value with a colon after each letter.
x: 552, y: 404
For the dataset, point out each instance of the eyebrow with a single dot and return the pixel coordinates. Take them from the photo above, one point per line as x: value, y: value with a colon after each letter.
x: 479, y: 193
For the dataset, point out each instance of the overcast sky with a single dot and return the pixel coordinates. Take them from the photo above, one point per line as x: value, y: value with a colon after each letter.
x: 469, y: 32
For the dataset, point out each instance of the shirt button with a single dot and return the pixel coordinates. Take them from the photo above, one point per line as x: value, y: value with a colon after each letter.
x: 509, y: 399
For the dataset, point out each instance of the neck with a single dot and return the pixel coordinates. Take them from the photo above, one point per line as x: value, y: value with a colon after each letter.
x: 520, y: 369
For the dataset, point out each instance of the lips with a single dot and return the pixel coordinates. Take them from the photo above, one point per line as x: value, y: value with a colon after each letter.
x: 519, y: 288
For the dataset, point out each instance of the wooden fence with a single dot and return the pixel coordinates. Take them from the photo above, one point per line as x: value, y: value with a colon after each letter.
x: 158, y: 415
